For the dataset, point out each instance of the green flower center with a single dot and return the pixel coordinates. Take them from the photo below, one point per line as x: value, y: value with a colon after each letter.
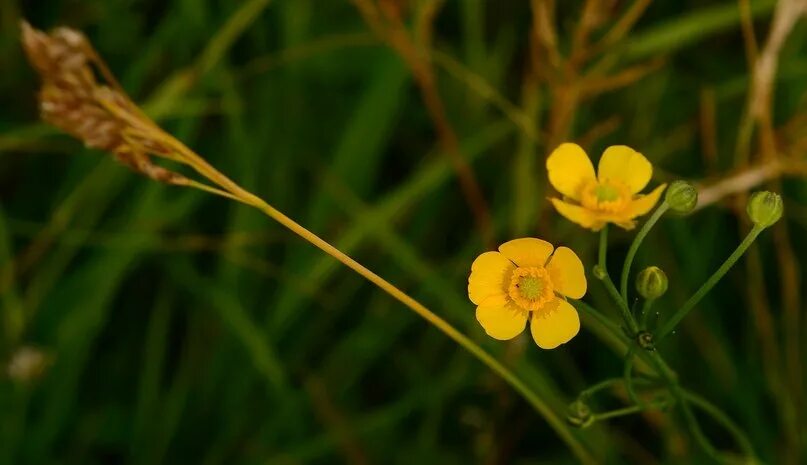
x: 606, y: 193
x: 531, y: 287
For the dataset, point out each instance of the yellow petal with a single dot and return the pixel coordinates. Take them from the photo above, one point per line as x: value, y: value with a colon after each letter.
x: 556, y: 328
x: 502, y: 322
x: 569, y: 169
x: 626, y: 225
x: 567, y: 273
x: 490, y: 277
x: 578, y: 214
x: 527, y: 251
x: 622, y: 163
x: 644, y: 203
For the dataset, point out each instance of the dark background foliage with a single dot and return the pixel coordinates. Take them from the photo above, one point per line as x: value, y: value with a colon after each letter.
x: 183, y: 328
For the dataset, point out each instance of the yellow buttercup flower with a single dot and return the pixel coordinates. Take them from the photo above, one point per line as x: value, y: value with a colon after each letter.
x: 523, y: 281
x: 612, y: 196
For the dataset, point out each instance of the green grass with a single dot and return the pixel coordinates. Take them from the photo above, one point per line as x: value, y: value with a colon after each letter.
x: 183, y: 328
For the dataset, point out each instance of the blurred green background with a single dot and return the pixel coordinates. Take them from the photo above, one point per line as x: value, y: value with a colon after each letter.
x: 181, y: 328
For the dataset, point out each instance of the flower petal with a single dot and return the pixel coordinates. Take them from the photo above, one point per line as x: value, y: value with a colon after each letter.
x: 490, y: 276
x: 567, y: 273
x: 622, y: 163
x: 578, y: 214
x: 556, y: 328
x: 569, y: 169
x: 527, y: 251
x: 644, y: 203
x: 502, y: 322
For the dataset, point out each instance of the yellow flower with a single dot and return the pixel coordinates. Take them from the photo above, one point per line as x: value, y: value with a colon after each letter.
x: 525, y: 280
x: 612, y: 196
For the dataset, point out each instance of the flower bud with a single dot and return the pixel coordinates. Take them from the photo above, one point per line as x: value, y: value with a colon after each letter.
x: 579, y: 414
x: 682, y: 197
x: 651, y: 283
x: 765, y: 208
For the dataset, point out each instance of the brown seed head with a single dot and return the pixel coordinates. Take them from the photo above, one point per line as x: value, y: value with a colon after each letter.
x: 81, y: 97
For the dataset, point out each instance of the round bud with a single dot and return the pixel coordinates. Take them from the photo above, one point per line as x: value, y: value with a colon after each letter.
x: 682, y: 197
x: 578, y: 414
x: 765, y: 208
x: 651, y: 283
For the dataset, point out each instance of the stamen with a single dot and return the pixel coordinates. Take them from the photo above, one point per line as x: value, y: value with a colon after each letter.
x: 531, y: 288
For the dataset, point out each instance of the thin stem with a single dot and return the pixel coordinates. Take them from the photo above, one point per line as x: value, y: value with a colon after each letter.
x: 623, y: 306
x: 646, y: 305
x: 680, y: 395
x: 510, y: 377
x: 634, y: 247
x: 603, y: 248
x: 658, y: 404
x: 742, y: 440
x: 609, y: 285
x: 602, y: 319
x: 689, y: 416
x: 627, y: 374
x: 708, y: 285
x: 602, y: 385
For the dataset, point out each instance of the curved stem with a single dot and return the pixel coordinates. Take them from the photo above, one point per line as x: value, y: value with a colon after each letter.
x: 657, y: 404
x: 627, y: 316
x: 602, y: 385
x: 446, y: 328
x: 680, y: 395
x: 670, y: 324
x: 707, y: 407
x: 602, y: 319
x: 634, y: 247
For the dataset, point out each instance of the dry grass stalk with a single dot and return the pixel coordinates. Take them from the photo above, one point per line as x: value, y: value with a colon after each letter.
x: 385, y: 18
x: 80, y: 96
x: 74, y: 99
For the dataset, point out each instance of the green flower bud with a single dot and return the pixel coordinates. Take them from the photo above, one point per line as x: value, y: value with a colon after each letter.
x: 765, y: 208
x: 651, y: 283
x: 579, y: 414
x: 682, y: 197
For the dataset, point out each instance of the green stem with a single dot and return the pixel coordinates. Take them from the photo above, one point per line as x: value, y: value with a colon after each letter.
x: 603, y: 248
x: 658, y: 404
x: 609, y: 285
x: 707, y: 407
x: 627, y: 373
x: 605, y: 384
x: 648, y: 303
x: 601, y: 318
x: 689, y: 416
x: 708, y: 285
x: 634, y: 247
x: 680, y: 395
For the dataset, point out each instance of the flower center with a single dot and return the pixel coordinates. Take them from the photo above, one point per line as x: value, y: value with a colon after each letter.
x: 606, y: 196
x: 606, y: 193
x: 531, y: 288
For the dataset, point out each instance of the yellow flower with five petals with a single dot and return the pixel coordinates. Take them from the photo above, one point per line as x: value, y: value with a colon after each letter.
x: 523, y: 281
x: 612, y: 196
